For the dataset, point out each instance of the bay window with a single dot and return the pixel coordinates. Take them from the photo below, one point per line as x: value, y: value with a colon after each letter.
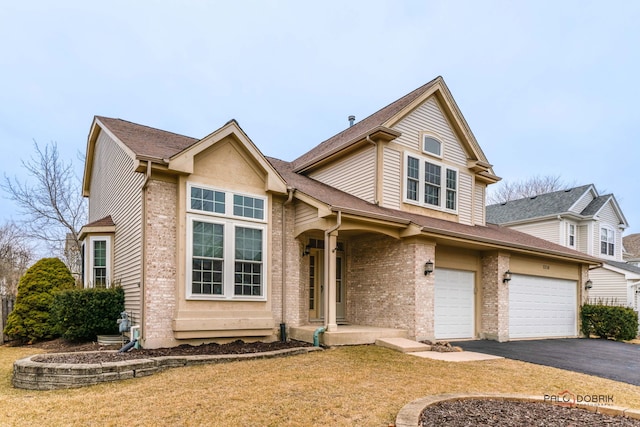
x: 225, y: 245
x: 430, y: 184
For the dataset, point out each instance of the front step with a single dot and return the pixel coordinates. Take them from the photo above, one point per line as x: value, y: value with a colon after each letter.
x: 403, y: 345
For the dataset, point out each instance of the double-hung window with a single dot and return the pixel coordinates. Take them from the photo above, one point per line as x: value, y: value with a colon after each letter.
x: 226, y: 244
x: 572, y: 235
x: 98, y: 272
x: 607, y: 241
x: 431, y: 184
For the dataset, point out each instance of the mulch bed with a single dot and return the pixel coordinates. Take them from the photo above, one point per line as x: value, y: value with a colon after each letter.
x: 473, y: 412
x: 98, y: 355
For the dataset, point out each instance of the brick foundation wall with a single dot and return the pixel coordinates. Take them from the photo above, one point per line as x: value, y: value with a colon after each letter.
x: 160, y: 266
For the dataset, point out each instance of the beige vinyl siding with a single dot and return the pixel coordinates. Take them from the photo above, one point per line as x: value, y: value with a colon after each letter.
x: 355, y: 174
x: 479, y: 204
x: 582, y: 237
x: 116, y: 191
x: 583, y: 202
x: 305, y: 213
x: 465, y: 201
x: 392, y: 178
x: 547, y: 230
x: 428, y: 117
x: 608, y: 285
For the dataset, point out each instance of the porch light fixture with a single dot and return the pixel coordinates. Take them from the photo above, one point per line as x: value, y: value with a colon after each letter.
x: 507, y: 277
x: 428, y: 267
x: 588, y: 284
x: 307, y: 250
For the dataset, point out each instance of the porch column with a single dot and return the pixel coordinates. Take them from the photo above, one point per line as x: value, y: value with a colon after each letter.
x: 330, y: 246
x: 495, y: 297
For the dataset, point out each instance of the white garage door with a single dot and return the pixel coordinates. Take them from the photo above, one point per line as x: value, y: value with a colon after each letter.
x: 454, y: 304
x: 541, y: 307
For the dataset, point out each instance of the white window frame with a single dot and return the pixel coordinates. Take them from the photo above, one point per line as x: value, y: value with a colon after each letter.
x: 228, y: 203
x: 89, y: 278
x: 610, y: 240
x: 230, y: 223
x: 442, y: 206
x: 426, y: 135
x: 571, y: 232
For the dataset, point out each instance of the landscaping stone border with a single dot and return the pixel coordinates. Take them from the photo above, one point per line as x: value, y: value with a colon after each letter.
x: 409, y: 415
x: 31, y: 375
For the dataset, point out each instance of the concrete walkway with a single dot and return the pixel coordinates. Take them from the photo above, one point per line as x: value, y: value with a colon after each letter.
x: 419, y: 349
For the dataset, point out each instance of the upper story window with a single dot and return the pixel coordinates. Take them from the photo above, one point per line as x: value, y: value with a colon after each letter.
x: 431, y: 184
x: 431, y: 145
x: 572, y: 235
x: 607, y: 241
x: 226, y: 244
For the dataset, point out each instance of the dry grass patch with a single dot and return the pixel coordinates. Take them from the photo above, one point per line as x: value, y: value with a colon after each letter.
x: 364, y: 385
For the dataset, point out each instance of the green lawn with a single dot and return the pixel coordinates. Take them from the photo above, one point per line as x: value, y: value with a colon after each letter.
x: 362, y: 385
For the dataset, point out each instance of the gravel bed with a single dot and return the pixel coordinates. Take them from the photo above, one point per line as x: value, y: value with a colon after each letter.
x: 474, y: 412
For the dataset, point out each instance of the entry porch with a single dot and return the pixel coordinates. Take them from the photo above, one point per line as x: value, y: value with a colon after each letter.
x: 346, y: 334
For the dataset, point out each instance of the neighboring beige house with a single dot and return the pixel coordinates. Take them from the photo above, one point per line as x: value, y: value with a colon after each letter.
x: 579, y: 218
x: 378, y: 231
x: 631, y: 249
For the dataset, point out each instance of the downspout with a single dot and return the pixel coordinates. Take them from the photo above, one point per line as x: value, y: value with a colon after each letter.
x: 327, y: 254
x: 283, y: 324
x: 375, y: 171
x: 145, y: 184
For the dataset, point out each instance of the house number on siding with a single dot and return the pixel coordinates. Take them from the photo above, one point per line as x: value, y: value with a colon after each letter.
x: 545, y: 267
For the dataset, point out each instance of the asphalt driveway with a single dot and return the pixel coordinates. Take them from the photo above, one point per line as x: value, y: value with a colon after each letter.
x: 603, y: 358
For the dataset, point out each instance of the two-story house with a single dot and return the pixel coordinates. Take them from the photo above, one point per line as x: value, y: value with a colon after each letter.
x: 581, y: 219
x: 378, y: 231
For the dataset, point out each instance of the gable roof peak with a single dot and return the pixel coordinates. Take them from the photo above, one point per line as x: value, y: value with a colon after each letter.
x: 344, y: 138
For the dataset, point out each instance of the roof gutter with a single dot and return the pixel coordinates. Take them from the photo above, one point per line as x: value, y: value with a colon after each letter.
x: 383, y: 132
x: 441, y: 232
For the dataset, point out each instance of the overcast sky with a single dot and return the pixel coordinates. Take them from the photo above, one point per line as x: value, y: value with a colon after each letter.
x: 548, y: 87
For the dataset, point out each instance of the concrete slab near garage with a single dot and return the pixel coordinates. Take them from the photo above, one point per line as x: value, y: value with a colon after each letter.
x: 403, y: 345
x: 419, y: 349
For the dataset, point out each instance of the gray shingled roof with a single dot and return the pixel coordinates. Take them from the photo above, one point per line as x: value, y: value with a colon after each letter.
x: 624, y: 266
x: 557, y: 202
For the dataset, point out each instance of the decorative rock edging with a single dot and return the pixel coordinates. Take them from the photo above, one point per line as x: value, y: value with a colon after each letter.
x: 31, y: 375
x: 409, y: 415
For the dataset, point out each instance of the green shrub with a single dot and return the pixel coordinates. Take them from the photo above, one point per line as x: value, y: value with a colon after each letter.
x: 619, y: 323
x: 82, y: 314
x: 30, y: 319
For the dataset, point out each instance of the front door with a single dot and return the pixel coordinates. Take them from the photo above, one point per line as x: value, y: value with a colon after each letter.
x: 316, y: 285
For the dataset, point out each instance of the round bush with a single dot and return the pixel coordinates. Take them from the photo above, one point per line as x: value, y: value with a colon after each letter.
x: 30, y: 319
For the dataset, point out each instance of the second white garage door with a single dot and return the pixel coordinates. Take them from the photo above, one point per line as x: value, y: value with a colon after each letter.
x: 542, y: 307
x: 454, y: 304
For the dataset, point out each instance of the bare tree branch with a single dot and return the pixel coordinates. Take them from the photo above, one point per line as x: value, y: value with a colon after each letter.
x: 51, y: 202
x: 15, y: 256
x: 534, y: 186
